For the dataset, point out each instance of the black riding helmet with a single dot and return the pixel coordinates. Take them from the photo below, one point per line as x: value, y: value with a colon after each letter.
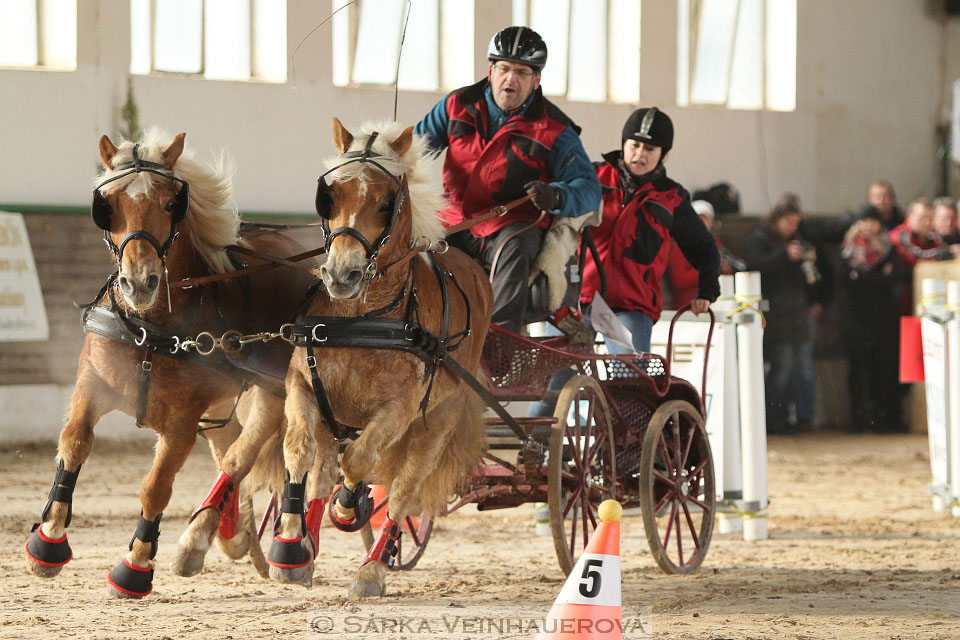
x: 518, y: 44
x: 649, y: 125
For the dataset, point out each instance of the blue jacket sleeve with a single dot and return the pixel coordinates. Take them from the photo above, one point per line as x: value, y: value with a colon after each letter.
x: 574, y: 176
x: 434, y: 126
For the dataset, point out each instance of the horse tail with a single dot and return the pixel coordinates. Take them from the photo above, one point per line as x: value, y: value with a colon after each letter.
x: 461, y: 453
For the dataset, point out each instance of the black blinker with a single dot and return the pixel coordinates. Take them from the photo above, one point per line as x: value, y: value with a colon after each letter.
x: 101, y: 210
x: 181, y: 203
x: 324, y: 201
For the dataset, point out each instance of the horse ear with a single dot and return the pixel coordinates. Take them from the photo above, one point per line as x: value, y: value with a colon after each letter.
x: 341, y: 137
x: 107, y: 151
x: 172, y: 153
x: 402, y: 144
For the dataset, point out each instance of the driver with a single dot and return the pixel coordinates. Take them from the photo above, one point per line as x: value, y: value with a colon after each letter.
x: 505, y: 140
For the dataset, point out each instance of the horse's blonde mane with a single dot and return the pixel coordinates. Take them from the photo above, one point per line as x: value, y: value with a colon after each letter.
x: 419, y: 164
x: 212, y: 220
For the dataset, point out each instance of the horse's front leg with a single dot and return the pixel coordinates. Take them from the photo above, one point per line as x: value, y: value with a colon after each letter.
x: 307, y: 446
x: 47, y: 549
x: 219, y: 512
x: 133, y: 577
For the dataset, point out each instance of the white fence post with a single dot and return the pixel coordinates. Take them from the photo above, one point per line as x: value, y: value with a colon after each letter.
x: 753, y: 417
x: 953, y: 392
x: 932, y: 308
x: 728, y: 520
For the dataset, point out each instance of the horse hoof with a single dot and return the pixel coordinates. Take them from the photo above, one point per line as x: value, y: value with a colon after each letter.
x: 297, y: 575
x: 235, y: 547
x: 130, y: 581
x: 46, y: 556
x: 370, y: 581
x: 188, y: 563
x: 41, y: 570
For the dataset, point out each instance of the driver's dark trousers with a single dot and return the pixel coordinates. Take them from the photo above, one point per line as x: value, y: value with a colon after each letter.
x: 511, y: 292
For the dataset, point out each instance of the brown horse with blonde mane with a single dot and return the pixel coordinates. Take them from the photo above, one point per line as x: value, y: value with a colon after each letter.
x: 371, y: 354
x: 166, y: 217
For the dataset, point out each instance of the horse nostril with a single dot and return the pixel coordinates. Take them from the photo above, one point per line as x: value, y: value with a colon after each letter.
x: 353, y: 277
x: 153, y: 282
x: 125, y: 285
x: 324, y: 273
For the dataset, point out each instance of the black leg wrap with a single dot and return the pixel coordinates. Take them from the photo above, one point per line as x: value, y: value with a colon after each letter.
x: 147, y: 532
x: 359, y: 500
x: 131, y: 580
x: 62, y: 491
x: 290, y: 553
x: 47, y: 551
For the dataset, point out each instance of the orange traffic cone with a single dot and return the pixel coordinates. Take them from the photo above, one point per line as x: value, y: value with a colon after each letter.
x: 589, y: 603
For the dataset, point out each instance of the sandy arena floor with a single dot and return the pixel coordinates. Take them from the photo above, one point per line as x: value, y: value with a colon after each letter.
x: 855, y: 552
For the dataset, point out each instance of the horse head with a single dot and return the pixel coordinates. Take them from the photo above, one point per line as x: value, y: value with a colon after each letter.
x: 367, y: 203
x: 140, y: 201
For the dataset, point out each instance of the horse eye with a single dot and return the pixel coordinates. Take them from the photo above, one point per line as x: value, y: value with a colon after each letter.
x: 171, y: 203
x: 387, y: 207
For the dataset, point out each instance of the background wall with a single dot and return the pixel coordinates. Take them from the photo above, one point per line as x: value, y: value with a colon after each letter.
x: 873, y: 85
x: 872, y: 79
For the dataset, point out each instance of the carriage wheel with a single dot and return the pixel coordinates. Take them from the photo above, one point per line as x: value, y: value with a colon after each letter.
x: 412, y: 543
x: 677, y: 487
x: 581, y: 468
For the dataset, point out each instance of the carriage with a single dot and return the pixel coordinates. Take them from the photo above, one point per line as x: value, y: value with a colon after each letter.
x: 622, y: 429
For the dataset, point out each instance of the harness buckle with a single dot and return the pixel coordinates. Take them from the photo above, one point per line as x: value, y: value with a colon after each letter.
x: 440, y: 246
x: 176, y: 345
x: 311, y: 362
x: 146, y: 365
x: 143, y: 337
x: 286, y: 332
x: 313, y: 333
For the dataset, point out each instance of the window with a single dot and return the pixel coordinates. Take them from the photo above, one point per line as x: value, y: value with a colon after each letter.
x: 38, y: 33
x: 219, y: 39
x: 435, y: 54
x: 606, y: 37
x: 740, y: 54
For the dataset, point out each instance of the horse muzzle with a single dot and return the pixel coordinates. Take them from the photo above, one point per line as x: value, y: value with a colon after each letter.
x: 139, y: 288
x: 343, y: 281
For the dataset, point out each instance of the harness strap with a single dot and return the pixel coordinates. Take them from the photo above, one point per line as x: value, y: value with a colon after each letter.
x: 62, y: 491
x: 488, y: 397
x: 147, y: 532
x: 143, y: 386
x: 273, y: 263
x: 336, y: 429
x: 273, y: 259
x: 220, y: 423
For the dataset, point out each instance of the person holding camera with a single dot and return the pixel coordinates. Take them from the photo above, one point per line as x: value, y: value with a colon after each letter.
x: 789, y: 273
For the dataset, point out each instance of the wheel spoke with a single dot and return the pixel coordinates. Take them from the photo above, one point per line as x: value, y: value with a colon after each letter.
x: 703, y: 506
x: 413, y: 531
x: 585, y: 516
x: 666, y: 535
x: 693, y: 529
x: 686, y: 450
x: 675, y: 428
x: 573, y: 530
x: 568, y: 475
x: 659, y: 475
x: 679, y: 539
x: 572, y: 501
x: 697, y: 469
x: 667, y: 496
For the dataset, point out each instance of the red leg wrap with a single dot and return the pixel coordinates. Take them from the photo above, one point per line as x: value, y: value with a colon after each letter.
x: 222, y: 497
x: 230, y: 516
x: 314, y: 517
x: 385, y: 548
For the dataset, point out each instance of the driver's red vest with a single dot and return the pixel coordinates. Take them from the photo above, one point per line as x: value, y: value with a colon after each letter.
x: 633, y: 242
x: 480, y: 174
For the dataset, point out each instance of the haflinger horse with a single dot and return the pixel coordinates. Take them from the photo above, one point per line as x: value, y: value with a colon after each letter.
x: 167, y: 217
x: 397, y: 320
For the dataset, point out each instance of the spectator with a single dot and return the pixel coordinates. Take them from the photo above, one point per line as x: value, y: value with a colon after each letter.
x: 642, y: 210
x: 915, y: 239
x: 873, y: 282
x: 787, y: 266
x: 945, y: 220
x: 504, y: 140
x: 681, y: 276
x: 880, y: 196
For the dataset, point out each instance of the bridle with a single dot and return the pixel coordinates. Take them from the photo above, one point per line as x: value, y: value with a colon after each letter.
x: 324, y: 204
x: 102, y: 211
